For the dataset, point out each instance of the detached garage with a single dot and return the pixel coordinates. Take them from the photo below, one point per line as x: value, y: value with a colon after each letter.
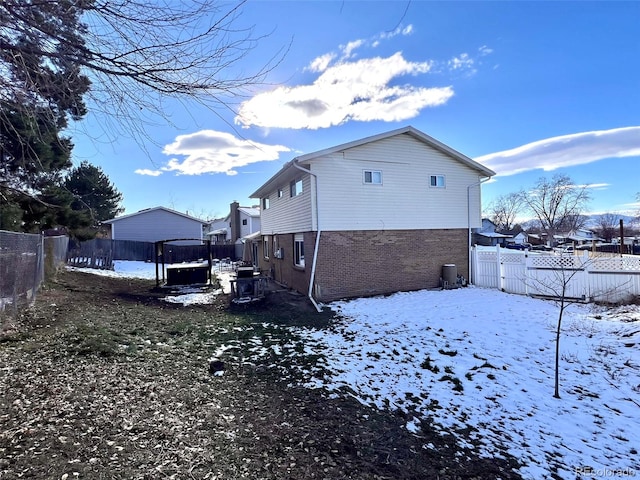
x: 155, y: 224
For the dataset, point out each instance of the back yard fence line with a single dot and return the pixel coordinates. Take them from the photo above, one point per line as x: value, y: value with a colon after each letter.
x: 99, y: 252
x: 26, y: 260
x: 585, y: 276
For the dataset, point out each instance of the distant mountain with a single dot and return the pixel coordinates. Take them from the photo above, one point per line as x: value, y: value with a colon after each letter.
x: 628, y: 221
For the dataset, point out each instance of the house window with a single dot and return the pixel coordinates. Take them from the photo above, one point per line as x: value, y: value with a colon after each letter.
x: 244, y: 221
x: 265, y: 203
x: 298, y: 250
x: 280, y: 193
x: 265, y: 247
x: 296, y: 188
x: 373, y: 177
x: 437, y: 181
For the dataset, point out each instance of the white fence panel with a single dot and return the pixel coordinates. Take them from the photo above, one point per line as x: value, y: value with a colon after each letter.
x: 485, y: 267
x: 557, y: 276
x: 513, y: 272
x: 599, y: 277
x: 614, y: 279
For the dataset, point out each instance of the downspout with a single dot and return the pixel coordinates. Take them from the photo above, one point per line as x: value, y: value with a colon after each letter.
x: 315, y: 250
x: 469, y: 187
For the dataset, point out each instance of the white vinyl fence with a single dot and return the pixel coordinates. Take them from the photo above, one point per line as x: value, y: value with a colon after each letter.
x: 585, y: 276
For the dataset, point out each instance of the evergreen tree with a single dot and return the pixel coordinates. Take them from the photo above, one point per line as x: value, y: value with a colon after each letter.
x: 93, y: 192
x: 33, y: 157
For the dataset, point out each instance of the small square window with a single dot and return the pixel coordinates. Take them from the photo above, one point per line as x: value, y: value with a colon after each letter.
x: 373, y: 177
x: 437, y: 181
x: 244, y: 221
x: 265, y: 203
x: 280, y: 193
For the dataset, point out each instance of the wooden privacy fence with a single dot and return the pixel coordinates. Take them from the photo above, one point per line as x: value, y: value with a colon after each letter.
x: 584, y: 276
x: 100, y: 252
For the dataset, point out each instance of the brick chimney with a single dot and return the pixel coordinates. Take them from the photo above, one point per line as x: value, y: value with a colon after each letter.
x: 234, y: 221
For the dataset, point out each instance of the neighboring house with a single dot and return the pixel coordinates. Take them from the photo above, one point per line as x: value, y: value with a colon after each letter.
x: 537, y: 238
x: 581, y: 236
x: 155, y: 224
x: 521, y: 238
x: 240, y: 222
x: 218, y: 231
x: 373, y: 216
x: 487, y: 236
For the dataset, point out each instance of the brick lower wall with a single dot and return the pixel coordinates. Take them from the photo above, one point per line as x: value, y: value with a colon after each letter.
x: 365, y: 263
x: 282, y: 270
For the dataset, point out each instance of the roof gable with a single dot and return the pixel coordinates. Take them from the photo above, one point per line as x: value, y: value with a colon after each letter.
x: 285, y: 171
x: 415, y: 133
x: 148, y: 210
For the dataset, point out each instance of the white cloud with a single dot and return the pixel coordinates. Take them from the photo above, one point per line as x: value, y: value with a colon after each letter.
x: 146, y: 171
x: 484, y: 50
x: 347, y: 50
x: 321, y: 63
x: 209, y: 151
x: 404, y: 31
x: 346, y: 91
x: 594, y: 186
x: 566, y: 151
x: 462, y: 61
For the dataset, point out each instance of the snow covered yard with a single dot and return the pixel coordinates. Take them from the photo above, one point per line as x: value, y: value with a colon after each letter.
x: 484, y: 360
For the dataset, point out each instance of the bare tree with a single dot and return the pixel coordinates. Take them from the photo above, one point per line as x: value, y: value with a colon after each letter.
x: 504, y: 210
x: 556, y: 282
x: 131, y: 62
x: 608, y: 223
x: 129, y: 56
x: 556, y: 203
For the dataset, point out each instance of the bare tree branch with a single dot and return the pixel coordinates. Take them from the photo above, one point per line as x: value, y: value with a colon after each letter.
x: 504, y: 210
x: 137, y: 55
x: 557, y: 203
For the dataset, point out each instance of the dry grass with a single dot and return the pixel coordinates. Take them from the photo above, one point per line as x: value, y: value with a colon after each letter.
x: 102, y: 379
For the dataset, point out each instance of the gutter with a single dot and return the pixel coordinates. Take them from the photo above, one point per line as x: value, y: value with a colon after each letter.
x: 315, y: 250
x: 469, y: 217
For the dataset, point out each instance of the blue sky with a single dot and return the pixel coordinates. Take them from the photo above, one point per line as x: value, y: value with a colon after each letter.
x: 529, y: 89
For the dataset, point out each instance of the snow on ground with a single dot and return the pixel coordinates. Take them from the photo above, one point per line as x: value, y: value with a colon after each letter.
x: 482, y: 358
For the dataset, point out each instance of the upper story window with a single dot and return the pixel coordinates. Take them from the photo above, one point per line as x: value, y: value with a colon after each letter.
x: 373, y: 177
x: 244, y: 221
x: 437, y: 181
x: 296, y: 188
x: 280, y: 193
x: 265, y: 203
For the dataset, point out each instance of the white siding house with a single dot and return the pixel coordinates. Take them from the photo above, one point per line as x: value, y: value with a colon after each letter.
x: 241, y: 222
x: 376, y: 215
x: 155, y: 224
x: 249, y: 220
